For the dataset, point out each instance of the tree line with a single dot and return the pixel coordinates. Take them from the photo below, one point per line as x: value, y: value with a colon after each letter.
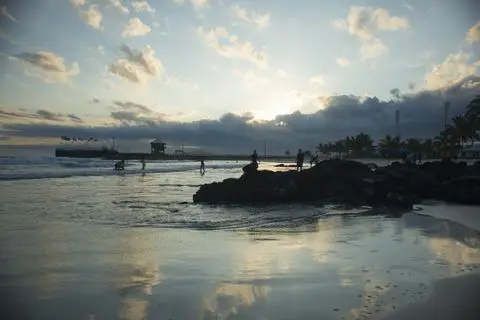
x: 463, y: 130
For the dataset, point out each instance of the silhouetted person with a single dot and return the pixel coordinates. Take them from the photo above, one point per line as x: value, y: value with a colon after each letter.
x: 255, y: 157
x: 143, y: 163
x: 300, y: 158
x: 419, y: 158
x: 202, y: 167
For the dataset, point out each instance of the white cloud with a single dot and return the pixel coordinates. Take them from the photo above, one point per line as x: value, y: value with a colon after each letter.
x: 453, y: 69
x: 473, y: 34
x: 136, y: 65
x: 339, y: 24
x: 409, y: 6
x: 47, y: 66
x: 250, y: 77
x: 175, y: 82
x: 117, y: 4
x: 6, y: 14
x: 93, y: 17
x: 142, y: 6
x: 135, y: 28
x: 78, y: 3
x: 229, y: 46
x: 343, y: 62
x: 281, y: 73
x: 372, y: 48
x: 200, y: 3
x: 317, y: 80
x: 364, y: 22
x: 259, y: 20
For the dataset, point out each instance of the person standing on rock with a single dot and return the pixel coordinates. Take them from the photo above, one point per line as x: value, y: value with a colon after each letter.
x: 300, y: 158
x: 254, y: 157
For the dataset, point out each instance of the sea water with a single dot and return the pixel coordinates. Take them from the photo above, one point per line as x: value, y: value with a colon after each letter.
x: 79, y: 241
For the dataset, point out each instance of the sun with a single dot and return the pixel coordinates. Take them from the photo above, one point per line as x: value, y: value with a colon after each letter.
x: 277, y: 104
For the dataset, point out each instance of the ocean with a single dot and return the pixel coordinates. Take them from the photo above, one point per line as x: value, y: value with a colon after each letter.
x: 80, y: 241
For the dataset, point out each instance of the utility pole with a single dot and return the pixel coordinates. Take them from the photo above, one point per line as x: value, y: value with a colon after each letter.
x: 397, y: 123
x: 265, y: 149
x: 446, y: 109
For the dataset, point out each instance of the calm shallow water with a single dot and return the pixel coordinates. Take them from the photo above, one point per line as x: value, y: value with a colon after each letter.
x: 134, y: 247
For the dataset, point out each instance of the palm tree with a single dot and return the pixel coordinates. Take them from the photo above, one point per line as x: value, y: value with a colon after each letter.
x: 473, y: 108
x: 413, y: 145
x: 427, y: 146
x: 363, y: 144
x: 463, y: 128
x: 388, y: 145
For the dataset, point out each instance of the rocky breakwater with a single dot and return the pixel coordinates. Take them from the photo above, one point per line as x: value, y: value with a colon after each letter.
x: 352, y: 183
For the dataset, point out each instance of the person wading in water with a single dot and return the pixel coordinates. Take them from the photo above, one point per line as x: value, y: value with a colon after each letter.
x: 202, y: 167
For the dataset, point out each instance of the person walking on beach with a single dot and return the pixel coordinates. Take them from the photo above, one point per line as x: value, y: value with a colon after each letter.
x: 143, y: 163
x: 202, y: 167
x: 300, y: 157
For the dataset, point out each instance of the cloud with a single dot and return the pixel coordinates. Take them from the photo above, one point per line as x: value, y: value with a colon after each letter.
x: 281, y: 73
x: 408, y: 6
x: 130, y: 113
x: 364, y: 22
x: 142, y: 6
x: 47, y: 66
x: 6, y: 14
x: 343, y: 62
x: 93, y: 17
x: 372, y: 48
x: 179, y: 1
x: 200, y: 3
x: 94, y: 101
x: 135, y: 28
x: 136, y: 64
x: 317, y: 80
x: 118, y: 4
x: 229, y: 46
x: 259, y: 20
x: 454, y: 69
x: 473, y: 34
x: 131, y: 106
x: 22, y: 116
x: 78, y: 3
x: 250, y: 77
x: 420, y: 117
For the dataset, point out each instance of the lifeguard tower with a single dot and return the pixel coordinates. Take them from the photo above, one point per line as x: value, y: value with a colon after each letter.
x: 157, y: 146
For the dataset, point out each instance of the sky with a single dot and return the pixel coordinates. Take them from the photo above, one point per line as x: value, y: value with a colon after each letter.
x: 219, y: 75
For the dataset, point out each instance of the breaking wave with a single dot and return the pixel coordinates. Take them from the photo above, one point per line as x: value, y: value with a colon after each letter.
x: 22, y: 168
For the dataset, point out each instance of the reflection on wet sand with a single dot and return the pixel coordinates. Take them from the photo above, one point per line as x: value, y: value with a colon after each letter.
x: 229, y: 300
x: 137, y: 271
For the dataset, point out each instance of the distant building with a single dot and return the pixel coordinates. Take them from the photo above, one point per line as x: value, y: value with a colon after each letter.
x: 157, y: 146
x: 470, y: 152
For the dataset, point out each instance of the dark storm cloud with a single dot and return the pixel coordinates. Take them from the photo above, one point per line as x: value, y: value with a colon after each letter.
x: 129, y: 113
x: 47, y: 115
x: 74, y: 118
x: 421, y: 116
x: 134, y: 107
x: 40, y: 114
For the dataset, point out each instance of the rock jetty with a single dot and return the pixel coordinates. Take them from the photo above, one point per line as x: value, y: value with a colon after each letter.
x: 350, y: 182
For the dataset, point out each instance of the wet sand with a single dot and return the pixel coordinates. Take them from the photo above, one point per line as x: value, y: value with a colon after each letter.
x: 335, y: 267
x: 452, y: 298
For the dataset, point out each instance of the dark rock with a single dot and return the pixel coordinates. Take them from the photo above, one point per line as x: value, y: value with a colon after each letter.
x: 349, y: 182
x: 250, y: 168
x: 464, y: 190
